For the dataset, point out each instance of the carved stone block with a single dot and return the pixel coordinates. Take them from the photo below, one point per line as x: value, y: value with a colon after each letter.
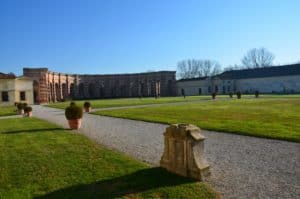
x: 184, y: 151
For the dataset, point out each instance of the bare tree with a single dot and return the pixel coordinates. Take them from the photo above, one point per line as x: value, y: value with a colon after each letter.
x: 233, y: 67
x: 210, y: 68
x: 192, y: 68
x: 257, y: 58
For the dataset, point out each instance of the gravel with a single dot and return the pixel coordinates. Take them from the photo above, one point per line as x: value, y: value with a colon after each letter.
x: 241, y: 166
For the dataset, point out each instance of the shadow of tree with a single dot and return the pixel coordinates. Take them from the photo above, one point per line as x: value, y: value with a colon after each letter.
x: 140, y: 181
x: 33, y: 130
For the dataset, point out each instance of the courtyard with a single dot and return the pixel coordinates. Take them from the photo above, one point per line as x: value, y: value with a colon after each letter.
x: 236, y: 160
x: 149, y: 99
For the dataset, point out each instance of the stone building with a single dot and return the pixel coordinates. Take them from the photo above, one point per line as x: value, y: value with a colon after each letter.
x: 275, y: 79
x: 15, y: 89
x: 52, y: 86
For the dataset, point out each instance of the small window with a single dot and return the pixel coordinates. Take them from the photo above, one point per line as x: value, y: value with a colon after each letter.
x: 228, y: 88
x: 5, y: 96
x: 22, y: 96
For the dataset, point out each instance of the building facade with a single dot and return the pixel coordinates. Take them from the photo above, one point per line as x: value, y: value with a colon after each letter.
x: 15, y: 89
x: 52, y: 86
x: 275, y: 79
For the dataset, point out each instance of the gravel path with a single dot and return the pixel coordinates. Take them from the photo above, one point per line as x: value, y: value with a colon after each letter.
x: 10, y: 116
x: 242, y: 166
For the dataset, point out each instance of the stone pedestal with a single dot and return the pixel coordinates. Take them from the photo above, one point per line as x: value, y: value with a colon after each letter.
x: 184, y: 151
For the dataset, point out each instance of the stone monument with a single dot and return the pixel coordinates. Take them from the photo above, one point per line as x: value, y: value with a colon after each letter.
x: 184, y: 151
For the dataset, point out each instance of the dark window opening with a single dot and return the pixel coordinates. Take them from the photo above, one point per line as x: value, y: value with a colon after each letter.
x: 5, y: 96
x: 228, y: 88
x: 22, y: 96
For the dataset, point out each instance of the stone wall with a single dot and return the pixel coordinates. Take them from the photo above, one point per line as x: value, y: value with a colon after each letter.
x: 51, y: 86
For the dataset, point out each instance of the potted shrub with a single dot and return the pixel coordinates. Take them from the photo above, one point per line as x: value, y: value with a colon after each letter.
x: 28, y: 111
x: 213, y: 95
x: 256, y: 94
x: 230, y: 94
x: 20, y: 108
x: 73, y: 114
x: 87, y: 106
x: 239, y: 94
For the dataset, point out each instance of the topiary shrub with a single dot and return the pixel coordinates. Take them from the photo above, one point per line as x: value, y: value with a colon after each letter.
x: 27, y: 109
x: 256, y: 94
x: 73, y: 112
x: 20, y: 106
x: 239, y: 94
x: 87, y: 104
x: 230, y: 94
x: 213, y: 95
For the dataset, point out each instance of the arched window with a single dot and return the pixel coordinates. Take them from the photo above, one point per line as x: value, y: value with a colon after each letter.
x: 72, y: 90
x: 64, y: 90
x: 57, y: 92
x: 91, y: 90
x: 101, y: 92
x: 36, y: 91
x: 81, y: 90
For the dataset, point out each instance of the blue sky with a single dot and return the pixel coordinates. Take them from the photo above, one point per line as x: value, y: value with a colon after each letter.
x: 123, y: 36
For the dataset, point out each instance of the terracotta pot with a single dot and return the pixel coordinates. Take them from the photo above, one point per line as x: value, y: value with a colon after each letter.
x: 20, y: 111
x: 87, y: 109
x: 74, y: 124
x: 29, y: 114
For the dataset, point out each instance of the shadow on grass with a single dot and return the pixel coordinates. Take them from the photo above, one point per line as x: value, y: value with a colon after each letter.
x: 134, y: 183
x: 33, y: 130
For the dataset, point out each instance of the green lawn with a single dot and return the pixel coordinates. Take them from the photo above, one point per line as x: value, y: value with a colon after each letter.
x: 271, y: 117
x: 106, y: 103
x: 7, y: 110
x: 42, y: 160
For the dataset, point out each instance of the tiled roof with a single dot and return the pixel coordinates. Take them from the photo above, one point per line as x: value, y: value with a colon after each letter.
x: 7, y: 76
x: 272, y: 71
x: 192, y: 79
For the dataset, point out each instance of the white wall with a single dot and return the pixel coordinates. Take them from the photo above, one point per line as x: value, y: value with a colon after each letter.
x: 278, y: 84
x: 270, y: 84
x: 192, y: 87
x: 14, y: 87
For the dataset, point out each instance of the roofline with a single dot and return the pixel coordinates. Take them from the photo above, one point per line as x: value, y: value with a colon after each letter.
x: 120, y: 74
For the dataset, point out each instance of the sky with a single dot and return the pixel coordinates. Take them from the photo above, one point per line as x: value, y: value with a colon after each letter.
x: 128, y: 36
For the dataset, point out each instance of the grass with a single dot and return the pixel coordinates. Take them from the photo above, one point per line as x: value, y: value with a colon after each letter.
x: 7, y: 110
x: 270, y: 117
x: 107, y: 103
x: 42, y: 160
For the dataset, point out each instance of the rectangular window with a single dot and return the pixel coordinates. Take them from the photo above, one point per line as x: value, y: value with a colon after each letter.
x: 5, y: 96
x: 22, y: 96
x: 216, y: 89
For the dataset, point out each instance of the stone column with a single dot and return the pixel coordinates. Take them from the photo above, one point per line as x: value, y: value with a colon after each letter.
x: 184, y: 151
